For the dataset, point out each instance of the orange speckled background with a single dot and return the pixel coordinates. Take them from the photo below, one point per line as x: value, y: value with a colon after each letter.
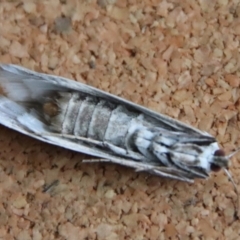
x: 176, y: 57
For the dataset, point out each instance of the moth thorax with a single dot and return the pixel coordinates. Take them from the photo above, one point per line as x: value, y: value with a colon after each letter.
x: 50, y: 109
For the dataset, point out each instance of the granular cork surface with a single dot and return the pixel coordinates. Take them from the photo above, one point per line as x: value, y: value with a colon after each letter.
x: 180, y: 58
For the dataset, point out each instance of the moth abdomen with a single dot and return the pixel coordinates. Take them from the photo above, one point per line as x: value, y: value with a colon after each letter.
x: 86, y: 116
x: 101, y: 119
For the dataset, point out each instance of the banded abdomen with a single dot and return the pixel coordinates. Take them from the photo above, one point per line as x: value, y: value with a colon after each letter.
x: 87, y: 116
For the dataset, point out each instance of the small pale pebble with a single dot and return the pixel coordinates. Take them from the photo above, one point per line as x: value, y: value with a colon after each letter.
x: 210, y: 82
x: 19, y: 202
x: 205, y: 212
x: 118, y: 13
x: 110, y: 193
x: 226, y: 96
x: 38, y: 184
x: 18, y: 50
x: 230, y: 67
x: 233, y: 80
x: 29, y: 7
x: 76, y: 59
x: 190, y: 229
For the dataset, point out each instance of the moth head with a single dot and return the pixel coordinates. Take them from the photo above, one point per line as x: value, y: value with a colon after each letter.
x: 220, y: 161
x: 216, y: 159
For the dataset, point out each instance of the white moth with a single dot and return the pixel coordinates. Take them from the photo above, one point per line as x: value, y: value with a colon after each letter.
x: 87, y: 120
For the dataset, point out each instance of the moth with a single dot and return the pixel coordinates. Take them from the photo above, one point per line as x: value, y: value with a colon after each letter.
x: 82, y: 118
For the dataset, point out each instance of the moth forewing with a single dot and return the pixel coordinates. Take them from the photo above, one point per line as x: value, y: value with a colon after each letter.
x: 85, y: 119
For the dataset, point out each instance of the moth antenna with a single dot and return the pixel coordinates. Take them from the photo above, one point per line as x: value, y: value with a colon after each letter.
x: 233, y: 153
x: 235, y: 188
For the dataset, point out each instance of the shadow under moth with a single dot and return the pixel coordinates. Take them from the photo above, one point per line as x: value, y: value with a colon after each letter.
x: 79, y: 117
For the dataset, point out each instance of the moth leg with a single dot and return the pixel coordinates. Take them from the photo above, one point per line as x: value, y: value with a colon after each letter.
x: 73, y: 137
x: 172, y: 173
x: 139, y: 167
x: 123, y: 152
x: 113, y: 148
